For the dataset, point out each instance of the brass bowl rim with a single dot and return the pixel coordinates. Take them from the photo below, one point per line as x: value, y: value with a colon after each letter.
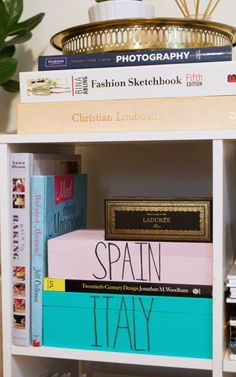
x: 58, y: 38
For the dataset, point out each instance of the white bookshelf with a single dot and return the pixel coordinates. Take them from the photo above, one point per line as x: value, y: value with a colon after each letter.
x: 196, y: 163
x: 115, y: 357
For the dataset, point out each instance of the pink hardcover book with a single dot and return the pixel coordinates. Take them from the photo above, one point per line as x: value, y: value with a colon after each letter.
x: 85, y: 255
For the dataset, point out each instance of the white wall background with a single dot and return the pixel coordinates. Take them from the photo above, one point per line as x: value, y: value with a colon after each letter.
x: 61, y: 14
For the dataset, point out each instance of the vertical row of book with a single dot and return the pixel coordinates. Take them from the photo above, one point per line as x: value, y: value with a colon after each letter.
x: 48, y: 199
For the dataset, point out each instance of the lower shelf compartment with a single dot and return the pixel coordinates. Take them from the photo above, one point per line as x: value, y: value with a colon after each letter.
x: 114, y: 357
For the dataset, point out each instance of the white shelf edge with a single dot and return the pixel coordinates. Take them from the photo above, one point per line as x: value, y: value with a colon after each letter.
x: 115, y: 357
x: 229, y: 365
x: 118, y: 137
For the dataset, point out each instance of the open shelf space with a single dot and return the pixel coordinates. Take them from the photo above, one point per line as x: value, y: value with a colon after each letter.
x: 115, y: 357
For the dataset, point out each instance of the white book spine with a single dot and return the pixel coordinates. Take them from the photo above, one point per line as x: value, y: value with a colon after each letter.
x: 231, y: 283
x: 205, y: 79
x: 20, y: 170
x: 230, y: 300
x: 232, y: 356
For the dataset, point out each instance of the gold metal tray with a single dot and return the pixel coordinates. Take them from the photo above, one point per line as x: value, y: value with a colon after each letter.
x: 148, y: 33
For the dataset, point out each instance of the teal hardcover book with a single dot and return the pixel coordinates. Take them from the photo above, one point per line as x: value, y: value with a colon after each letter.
x: 58, y: 207
x: 151, y: 325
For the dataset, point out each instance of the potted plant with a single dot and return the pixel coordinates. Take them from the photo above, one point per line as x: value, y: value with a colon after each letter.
x: 13, y: 32
x: 119, y: 9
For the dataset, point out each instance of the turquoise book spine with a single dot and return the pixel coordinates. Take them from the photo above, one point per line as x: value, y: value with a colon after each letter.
x: 58, y: 207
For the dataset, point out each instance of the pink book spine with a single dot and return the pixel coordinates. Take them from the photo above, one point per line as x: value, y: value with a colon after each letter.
x: 83, y: 257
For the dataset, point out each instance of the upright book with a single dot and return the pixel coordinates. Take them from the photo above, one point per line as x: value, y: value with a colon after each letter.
x: 21, y: 168
x: 136, y: 57
x: 58, y: 207
x: 152, y: 81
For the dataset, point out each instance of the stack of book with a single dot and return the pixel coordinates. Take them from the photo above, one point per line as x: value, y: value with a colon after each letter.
x: 115, y: 295
x: 134, y: 294
x: 136, y: 84
x: 231, y: 284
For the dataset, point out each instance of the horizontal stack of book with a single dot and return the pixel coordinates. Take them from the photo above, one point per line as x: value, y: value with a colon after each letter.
x: 137, y: 294
x: 127, y: 91
x: 231, y: 284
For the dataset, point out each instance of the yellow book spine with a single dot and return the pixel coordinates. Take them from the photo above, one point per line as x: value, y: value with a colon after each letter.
x: 56, y: 285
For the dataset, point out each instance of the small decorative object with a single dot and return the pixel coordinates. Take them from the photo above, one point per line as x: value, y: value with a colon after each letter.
x: 140, y: 34
x: 153, y: 219
x: 118, y: 9
x: 139, y: 31
x: 13, y: 32
x: 197, y: 9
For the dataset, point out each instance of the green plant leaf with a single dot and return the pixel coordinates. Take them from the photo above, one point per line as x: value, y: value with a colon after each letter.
x: 27, y: 25
x: 4, y: 19
x: 20, y: 38
x: 12, y: 86
x: 14, y: 9
x: 13, y: 32
x: 7, y: 51
x: 7, y: 68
